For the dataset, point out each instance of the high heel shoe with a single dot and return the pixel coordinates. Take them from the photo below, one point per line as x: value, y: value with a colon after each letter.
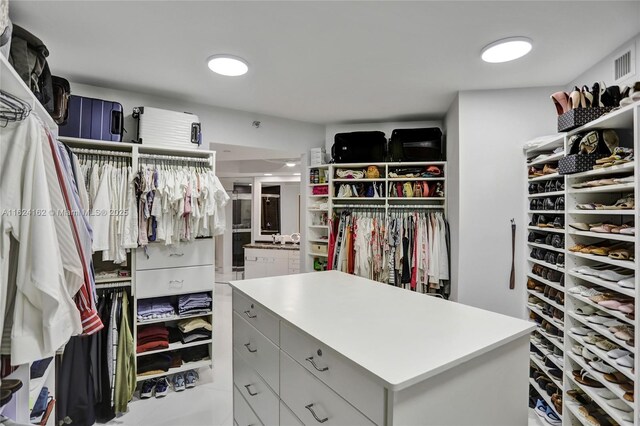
x: 561, y: 102
x: 588, y: 97
x: 574, y: 98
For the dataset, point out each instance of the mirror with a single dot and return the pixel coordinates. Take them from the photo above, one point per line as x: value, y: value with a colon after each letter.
x: 276, y: 207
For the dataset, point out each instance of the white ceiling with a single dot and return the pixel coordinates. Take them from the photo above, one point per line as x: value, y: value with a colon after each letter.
x: 324, y: 62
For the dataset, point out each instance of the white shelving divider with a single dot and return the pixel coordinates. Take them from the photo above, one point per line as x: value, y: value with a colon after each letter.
x: 550, y: 346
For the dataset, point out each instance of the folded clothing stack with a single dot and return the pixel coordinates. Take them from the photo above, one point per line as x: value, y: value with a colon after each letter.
x: 194, y: 303
x: 152, y: 337
x: 155, y: 308
x: 194, y: 329
x: 154, y: 364
x: 195, y: 354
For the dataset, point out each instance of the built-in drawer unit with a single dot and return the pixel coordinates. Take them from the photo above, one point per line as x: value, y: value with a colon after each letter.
x: 166, y: 282
x: 336, y: 371
x: 287, y: 418
x: 257, y: 316
x: 260, y: 397
x: 160, y: 256
x: 242, y: 413
x: 311, y: 400
x: 259, y: 352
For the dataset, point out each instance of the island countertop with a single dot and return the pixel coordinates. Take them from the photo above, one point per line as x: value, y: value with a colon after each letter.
x: 400, y: 337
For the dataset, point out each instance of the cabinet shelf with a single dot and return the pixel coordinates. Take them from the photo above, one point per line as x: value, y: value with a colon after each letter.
x: 554, y: 230
x: 552, y: 158
x: 603, y: 283
x: 172, y: 318
x: 546, y: 194
x: 604, y: 236
x: 318, y: 254
x: 545, y: 177
x: 184, y: 367
x: 176, y: 346
x: 622, y: 187
x: 621, y: 168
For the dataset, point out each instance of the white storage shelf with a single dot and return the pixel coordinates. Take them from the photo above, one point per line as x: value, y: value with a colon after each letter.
x: 546, y: 194
x: 553, y: 158
x: 184, y: 367
x: 176, y: 346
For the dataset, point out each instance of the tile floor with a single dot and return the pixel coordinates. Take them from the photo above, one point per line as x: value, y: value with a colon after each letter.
x: 211, y: 402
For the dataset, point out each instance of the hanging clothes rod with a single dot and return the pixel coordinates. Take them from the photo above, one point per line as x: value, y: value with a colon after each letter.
x: 173, y: 158
x: 416, y: 206
x: 113, y: 285
x: 100, y: 152
x: 356, y: 206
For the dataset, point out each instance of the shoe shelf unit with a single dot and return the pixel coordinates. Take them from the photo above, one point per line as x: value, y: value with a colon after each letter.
x: 600, y: 300
x: 545, y: 274
x: 386, y: 196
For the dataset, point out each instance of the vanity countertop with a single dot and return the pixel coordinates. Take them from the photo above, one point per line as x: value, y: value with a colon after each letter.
x: 272, y: 246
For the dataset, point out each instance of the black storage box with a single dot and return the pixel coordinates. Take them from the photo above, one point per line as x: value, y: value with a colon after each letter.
x: 576, y: 163
x: 424, y: 144
x: 359, y: 147
x: 579, y: 117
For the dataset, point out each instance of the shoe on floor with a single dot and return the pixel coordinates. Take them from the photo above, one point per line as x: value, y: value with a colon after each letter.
x: 162, y: 387
x: 191, y: 377
x: 148, y: 386
x: 178, y: 382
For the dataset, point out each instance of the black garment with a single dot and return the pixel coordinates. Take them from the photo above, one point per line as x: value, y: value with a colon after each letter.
x: 195, y: 354
x: 104, y: 410
x: 175, y: 335
x: 154, y: 362
x: 74, y: 387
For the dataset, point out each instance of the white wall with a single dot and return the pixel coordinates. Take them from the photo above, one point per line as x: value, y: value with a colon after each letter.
x: 387, y: 128
x: 603, y: 70
x: 219, y: 125
x: 493, y: 125
x: 452, y: 138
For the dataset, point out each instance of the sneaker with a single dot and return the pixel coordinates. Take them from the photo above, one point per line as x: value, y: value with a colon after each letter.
x: 551, y: 417
x: 191, y: 377
x: 147, y: 389
x: 178, y: 382
x: 162, y: 387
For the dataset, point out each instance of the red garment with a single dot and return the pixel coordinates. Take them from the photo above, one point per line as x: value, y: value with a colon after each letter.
x: 152, y: 346
x: 414, y: 269
x: 332, y: 246
x: 91, y: 322
x: 153, y: 330
x: 350, y: 250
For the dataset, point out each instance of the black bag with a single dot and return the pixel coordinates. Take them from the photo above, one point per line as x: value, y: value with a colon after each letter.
x: 417, y: 145
x: 359, y: 147
x: 28, y: 56
x: 61, y: 94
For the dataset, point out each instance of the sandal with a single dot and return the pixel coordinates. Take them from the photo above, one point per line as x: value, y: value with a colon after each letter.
x: 585, y: 378
x: 617, y: 378
x: 621, y: 254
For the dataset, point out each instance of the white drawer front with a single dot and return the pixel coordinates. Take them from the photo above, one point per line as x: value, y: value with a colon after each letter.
x: 166, y: 282
x: 257, y: 316
x: 267, y: 253
x: 311, y: 400
x: 242, y: 412
x: 287, y: 418
x: 259, y: 396
x: 257, y: 350
x: 337, y: 372
x: 196, y: 253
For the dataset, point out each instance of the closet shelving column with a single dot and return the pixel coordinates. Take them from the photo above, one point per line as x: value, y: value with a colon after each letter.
x: 166, y: 271
x: 318, y: 208
x: 626, y: 122
x: 545, y: 268
x: 20, y: 406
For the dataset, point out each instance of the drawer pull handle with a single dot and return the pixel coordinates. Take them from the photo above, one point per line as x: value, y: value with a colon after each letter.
x: 247, y: 387
x: 248, y: 314
x: 310, y: 359
x: 315, y: 416
x: 177, y: 283
x: 248, y: 346
x: 176, y: 254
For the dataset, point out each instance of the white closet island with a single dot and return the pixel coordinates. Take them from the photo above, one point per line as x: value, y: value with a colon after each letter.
x: 342, y: 350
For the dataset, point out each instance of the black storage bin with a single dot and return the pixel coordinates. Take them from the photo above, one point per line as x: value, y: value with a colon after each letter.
x: 576, y: 163
x: 423, y: 144
x: 359, y: 147
x: 579, y: 117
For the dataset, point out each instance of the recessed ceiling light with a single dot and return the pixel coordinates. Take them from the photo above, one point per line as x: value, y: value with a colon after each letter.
x: 228, y: 65
x: 296, y: 174
x: 268, y: 174
x: 506, y: 50
x: 290, y: 164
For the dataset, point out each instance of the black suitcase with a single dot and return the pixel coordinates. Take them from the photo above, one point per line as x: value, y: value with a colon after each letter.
x: 90, y: 118
x: 424, y: 144
x: 359, y: 147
